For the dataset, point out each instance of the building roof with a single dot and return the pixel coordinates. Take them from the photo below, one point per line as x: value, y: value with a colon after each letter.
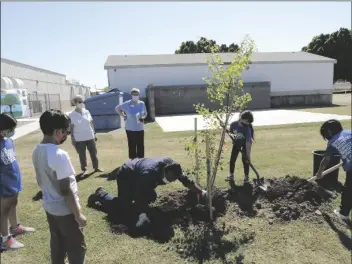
x: 30, y: 67
x: 128, y: 61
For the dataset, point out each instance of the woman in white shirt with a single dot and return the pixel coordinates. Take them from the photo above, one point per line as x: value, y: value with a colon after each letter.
x: 83, y: 135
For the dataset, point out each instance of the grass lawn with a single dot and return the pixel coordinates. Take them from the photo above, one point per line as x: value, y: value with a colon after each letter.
x: 278, y: 151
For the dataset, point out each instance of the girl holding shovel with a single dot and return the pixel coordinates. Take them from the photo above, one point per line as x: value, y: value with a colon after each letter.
x: 243, y: 136
x: 339, y: 141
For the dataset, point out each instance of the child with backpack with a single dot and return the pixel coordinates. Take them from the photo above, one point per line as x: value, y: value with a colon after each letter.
x: 243, y: 136
x: 339, y: 141
x: 10, y: 186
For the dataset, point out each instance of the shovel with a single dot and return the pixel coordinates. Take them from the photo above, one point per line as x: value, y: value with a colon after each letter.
x: 326, y: 172
x: 259, y: 182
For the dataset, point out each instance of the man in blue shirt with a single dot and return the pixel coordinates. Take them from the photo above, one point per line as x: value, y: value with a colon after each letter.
x: 137, y: 180
x: 339, y: 141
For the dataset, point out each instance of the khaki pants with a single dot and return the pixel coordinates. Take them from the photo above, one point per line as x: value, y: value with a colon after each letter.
x: 66, y: 238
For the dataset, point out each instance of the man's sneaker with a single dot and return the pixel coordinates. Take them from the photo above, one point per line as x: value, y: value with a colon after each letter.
x: 98, y: 170
x: 84, y: 172
x: 11, y: 244
x: 230, y: 178
x: 343, y: 217
x: 20, y: 230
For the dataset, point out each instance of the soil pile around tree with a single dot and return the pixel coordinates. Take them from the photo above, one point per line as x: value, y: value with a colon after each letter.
x: 289, y: 198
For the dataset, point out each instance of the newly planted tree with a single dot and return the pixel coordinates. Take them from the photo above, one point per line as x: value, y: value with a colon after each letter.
x: 226, y: 96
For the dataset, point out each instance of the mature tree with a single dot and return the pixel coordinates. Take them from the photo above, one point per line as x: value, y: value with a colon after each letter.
x: 337, y: 45
x: 204, y: 45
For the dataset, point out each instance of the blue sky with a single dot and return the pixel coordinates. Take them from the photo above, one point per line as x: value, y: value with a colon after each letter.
x: 76, y: 38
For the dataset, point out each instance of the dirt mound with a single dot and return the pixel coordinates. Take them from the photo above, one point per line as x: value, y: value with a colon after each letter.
x: 178, y: 208
x: 291, y: 197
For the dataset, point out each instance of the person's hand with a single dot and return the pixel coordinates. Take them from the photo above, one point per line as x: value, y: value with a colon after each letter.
x: 319, y: 175
x: 81, y: 220
x: 95, y: 138
x: 141, y: 120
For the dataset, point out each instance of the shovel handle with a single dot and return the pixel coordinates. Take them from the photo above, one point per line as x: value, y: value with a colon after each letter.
x: 326, y: 171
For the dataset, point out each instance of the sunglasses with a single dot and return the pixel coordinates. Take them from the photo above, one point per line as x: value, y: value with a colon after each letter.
x: 80, y: 102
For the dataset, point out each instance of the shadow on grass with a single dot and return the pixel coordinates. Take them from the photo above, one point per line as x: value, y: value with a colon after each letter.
x: 121, y: 222
x: 206, y: 241
x: 245, y: 197
x: 79, y: 177
x: 345, y: 240
x: 109, y: 176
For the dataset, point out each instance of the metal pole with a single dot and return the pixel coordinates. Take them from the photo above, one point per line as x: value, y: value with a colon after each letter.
x: 209, y: 191
x: 196, y: 153
x: 122, y: 120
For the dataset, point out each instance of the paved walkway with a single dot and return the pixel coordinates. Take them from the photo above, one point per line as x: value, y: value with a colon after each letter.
x: 23, y: 130
x: 261, y: 118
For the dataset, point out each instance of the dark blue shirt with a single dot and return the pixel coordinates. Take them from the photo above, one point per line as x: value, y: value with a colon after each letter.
x: 341, y: 143
x: 241, y: 131
x: 10, y: 175
x: 149, y: 172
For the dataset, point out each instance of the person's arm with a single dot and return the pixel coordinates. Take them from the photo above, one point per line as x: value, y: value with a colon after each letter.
x: 90, y: 118
x: 120, y: 109
x: 325, y: 162
x: 68, y: 194
x: 144, y: 111
x: 188, y: 183
x: 72, y: 127
x: 62, y: 165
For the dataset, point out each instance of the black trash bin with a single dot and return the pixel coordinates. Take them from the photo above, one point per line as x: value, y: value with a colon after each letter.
x: 329, y: 181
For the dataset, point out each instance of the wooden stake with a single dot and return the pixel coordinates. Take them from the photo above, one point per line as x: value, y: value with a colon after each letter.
x: 196, y: 153
x: 209, y: 185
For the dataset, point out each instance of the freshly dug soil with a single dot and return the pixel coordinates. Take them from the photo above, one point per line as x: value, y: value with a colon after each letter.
x: 289, y: 198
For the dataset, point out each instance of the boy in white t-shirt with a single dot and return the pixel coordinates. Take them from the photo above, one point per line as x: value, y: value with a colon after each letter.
x: 56, y: 178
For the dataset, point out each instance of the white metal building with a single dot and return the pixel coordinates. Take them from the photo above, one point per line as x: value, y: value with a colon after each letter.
x: 294, y: 77
x: 40, y: 83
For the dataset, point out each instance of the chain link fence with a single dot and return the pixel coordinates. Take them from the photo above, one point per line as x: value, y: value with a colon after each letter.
x: 39, y: 103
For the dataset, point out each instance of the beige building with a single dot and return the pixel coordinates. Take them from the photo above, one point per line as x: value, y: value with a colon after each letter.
x: 46, y: 89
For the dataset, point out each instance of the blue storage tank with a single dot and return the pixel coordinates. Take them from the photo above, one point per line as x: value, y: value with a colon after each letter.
x: 102, y: 109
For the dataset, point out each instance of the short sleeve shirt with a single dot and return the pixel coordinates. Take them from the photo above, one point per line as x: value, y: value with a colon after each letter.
x: 10, y: 175
x: 241, y: 131
x: 82, y: 130
x: 51, y: 165
x: 341, y: 143
x: 131, y: 110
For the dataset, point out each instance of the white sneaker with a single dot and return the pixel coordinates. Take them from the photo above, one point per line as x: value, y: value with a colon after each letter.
x: 343, y: 217
x: 11, y: 244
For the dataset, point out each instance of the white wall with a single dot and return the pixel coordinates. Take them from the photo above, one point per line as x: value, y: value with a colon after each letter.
x: 285, y: 78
